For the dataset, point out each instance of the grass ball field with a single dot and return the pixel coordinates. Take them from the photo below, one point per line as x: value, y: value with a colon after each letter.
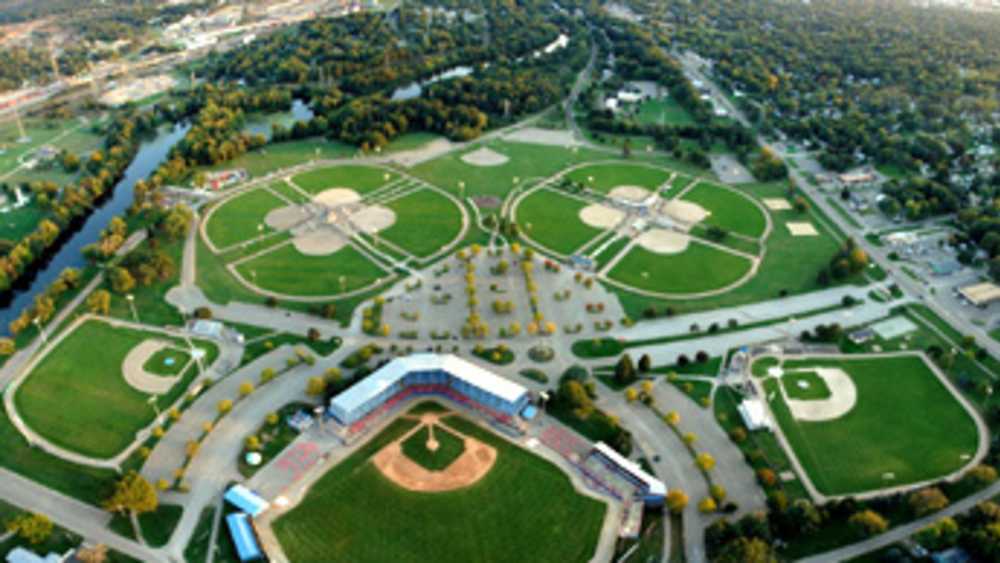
x: 77, y: 397
x: 556, y: 220
x: 905, y: 426
x: 259, y: 232
x: 523, y: 509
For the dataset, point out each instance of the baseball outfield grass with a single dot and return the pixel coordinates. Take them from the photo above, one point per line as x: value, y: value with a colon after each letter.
x: 906, y: 427
x: 242, y: 217
x: 729, y: 209
x: 605, y: 177
x: 553, y: 220
x: 524, y: 509
x: 426, y: 222
x: 77, y: 397
x: 361, y: 179
x: 449, y: 447
x: 699, y: 268
x: 287, y: 271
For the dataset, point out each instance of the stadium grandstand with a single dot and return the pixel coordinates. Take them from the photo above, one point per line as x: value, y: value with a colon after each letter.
x: 650, y: 489
x: 442, y: 375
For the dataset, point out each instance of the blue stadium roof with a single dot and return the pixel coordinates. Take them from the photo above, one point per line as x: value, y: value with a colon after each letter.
x: 246, y: 500
x: 243, y: 536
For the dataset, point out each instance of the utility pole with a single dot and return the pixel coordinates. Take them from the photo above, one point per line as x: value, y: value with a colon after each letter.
x: 20, y: 127
x: 55, y: 63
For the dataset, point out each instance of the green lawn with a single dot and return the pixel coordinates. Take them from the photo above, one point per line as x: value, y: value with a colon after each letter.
x: 554, y: 221
x: 664, y: 111
x: 242, y: 218
x: 19, y: 223
x: 699, y: 268
x: 730, y: 210
x: 283, y: 155
x: 905, y: 422
x: 361, y: 179
x: 426, y: 221
x: 77, y: 398
x: 805, y: 386
x: 289, y: 192
x: 449, y: 448
x: 611, y: 175
x: 524, y: 509
x: 286, y: 270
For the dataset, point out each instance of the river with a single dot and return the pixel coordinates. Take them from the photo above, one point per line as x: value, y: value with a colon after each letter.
x: 151, y: 153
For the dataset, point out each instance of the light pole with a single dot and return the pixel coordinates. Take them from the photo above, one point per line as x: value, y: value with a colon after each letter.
x: 156, y: 407
x: 131, y: 303
x: 461, y: 189
x: 343, y: 283
x: 41, y: 330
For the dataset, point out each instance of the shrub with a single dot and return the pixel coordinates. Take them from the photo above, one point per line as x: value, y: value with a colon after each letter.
x: 767, y: 477
x: 927, y: 500
x: 246, y: 388
x: 224, y: 406
x: 203, y: 313
x: 677, y: 501
x: 867, y: 523
x: 718, y: 492
x: 982, y: 475
x: 705, y: 461
x: 738, y: 435
x: 707, y: 505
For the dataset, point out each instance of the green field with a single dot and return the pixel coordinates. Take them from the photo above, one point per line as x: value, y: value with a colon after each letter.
x: 905, y: 422
x: 449, y: 448
x: 283, y: 155
x: 699, y: 268
x: 361, y: 179
x: 729, y: 210
x: 524, y: 509
x: 554, y: 221
x: 426, y: 222
x: 242, y: 218
x: 19, y: 223
x: 664, y: 111
x: 286, y: 270
x: 77, y: 398
x: 611, y: 175
x: 167, y: 362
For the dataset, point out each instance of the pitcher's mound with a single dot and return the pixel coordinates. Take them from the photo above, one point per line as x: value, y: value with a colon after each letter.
x: 484, y: 157
x: 474, y: 463
x: 662, y: 241
x: 601, y: 216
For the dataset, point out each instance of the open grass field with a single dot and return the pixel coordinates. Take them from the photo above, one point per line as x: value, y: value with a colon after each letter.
x: 554, y: 221
x: 426, y: 222
x: 361, y: 179
x: 699, y: 268
x: 19, y: 223
x: 524, y: 509
x: 69, y: 134
x: 729, y: 210
x: 449, y: 448
x: 905, y: 422
x: 282, y: 155
x: 290, y: 193
x: 77, y: 398
x: 611, y: 175
x: 286, y: 270
x: 167, y: 362
x: 242, y: 218
x: 663, y: 111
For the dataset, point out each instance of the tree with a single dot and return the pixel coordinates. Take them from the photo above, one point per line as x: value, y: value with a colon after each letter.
x: 705, y: 461
x: 121, y: 280
x: 246, y: 388
x: 718, y: 492
x: 95, y: 554
x: 927, y: 500
x: 672, y: 418
x: 645, y: 363
x: 224, y: 406
x: 625, y: 370
x: 747, y: 550
x: 677, y: 501
x: 133, y: 494
x: 99, y: 302
x: 631, y: 394
x: 315, y: 387
x: 707, y: 505
x: 867, y: 523
x: 982, y: 474
x: 940, y: 535
x: 31, y: 527
x: 253, y: 443
x: 7, y: 346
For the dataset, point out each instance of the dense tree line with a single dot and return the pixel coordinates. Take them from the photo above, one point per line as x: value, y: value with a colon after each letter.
x: 883, y: 81
x: 103, y: 169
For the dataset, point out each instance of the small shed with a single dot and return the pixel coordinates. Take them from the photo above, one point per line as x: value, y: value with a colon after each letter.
x: 754, y: 415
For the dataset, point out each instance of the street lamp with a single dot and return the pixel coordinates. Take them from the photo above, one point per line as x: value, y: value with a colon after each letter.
x: 41, y: 330
x: 131, y: 303
x: 156, y: 408
x: 461, y: 189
